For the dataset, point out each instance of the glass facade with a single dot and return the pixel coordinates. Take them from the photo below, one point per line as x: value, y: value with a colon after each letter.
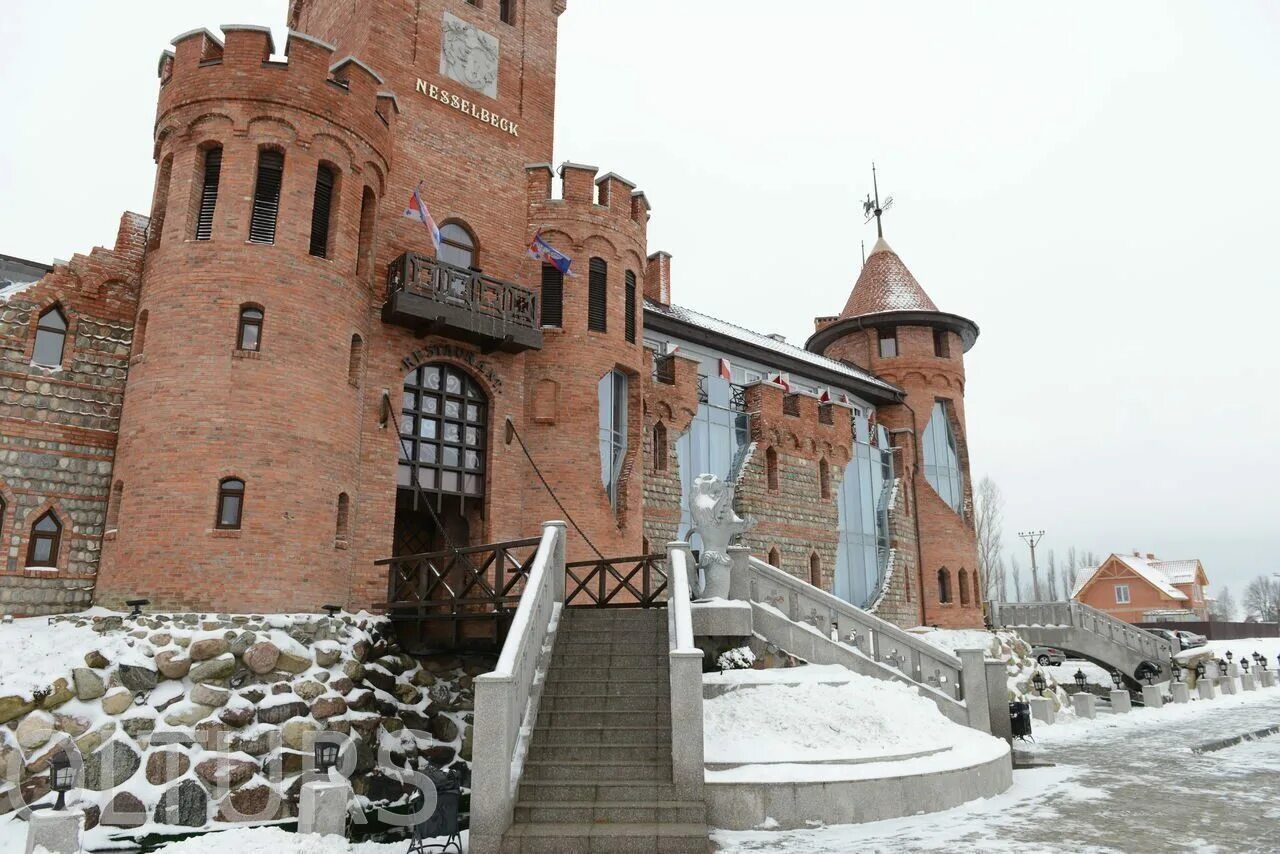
x: 941, y: 462
x: 612, y: 395
x: 713, y: 443
x: 862, y: 554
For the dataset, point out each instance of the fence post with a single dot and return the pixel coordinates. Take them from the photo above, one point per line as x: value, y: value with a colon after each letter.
x: 739, y: 582
x: 973, y: 677
x: 998, y: 699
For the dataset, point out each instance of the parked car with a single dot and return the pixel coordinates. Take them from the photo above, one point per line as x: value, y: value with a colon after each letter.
x: 1190, y: 639
x: 1047, y: 655
x: 1171, y: 637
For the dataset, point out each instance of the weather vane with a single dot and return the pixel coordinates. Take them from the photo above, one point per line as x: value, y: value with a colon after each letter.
x: 872, y: 207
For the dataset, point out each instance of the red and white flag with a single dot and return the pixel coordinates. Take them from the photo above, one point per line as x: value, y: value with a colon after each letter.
x: 418, y: 210
x: 825, y: 397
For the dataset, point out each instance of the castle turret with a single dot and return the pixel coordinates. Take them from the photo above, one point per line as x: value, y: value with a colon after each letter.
x: 892, y: 328
x: 239, y: 453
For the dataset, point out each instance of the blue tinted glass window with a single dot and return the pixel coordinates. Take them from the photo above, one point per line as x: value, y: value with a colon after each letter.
x: 941, y: 461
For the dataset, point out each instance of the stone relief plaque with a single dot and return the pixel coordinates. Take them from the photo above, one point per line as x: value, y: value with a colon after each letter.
x: 469, y: 55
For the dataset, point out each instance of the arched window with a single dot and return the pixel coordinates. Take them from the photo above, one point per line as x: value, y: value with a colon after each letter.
x: 552, y: 296
x: 140, y: 332
x: 775, y: 558
x: 944, y: 585
x: 266, y: 196
x: 815, y: 570
x: 941, y: 461
x: 364, y: 245
x: 443, y: 432
x: 612, y: 398
x: 659, y: 447
x: 343, y: 530
x: 230, y: 503
x: 630, y: 307
x: 888, y: 338
x: 249, y: 335
x: 356, y: 360
x: 113, y: 507
x: 323, y: 208
x: 457, y: 245
x: 977, y: 589
x: 507, y: 11
x: 598, y: 295
x: 771, y: 469
x: 46, y: 537
x: 824, y: 478
x: 963, y: 584
x: 207, y: 202
x: 51, y: 338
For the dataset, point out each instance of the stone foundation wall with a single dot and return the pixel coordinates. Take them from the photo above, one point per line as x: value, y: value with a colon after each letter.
x: 34, y: 596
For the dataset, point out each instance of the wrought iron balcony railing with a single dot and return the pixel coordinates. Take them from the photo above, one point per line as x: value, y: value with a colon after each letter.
x: 432, y: 297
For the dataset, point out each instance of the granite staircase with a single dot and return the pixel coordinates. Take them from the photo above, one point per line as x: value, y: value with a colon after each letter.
x: 598, y: 775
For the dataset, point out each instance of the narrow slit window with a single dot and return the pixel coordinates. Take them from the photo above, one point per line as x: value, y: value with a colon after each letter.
x: 944, y: 586
x: 815, y: 570
x: 598, y: 295
x: 266, y: 197
x: 210, y: 173
x: 51, y: 338
x: 343, y: 530
x: 364, y: 244
x: 46, y: 538
x: 771, y: 469
x: 630, y: 307
x: 888, y: 343
x: 552, y: 296
x: 356, y: 360
x: 230, y: 504
x: 659, y: 447
x: 249, y: 336
x: 941, y: 344
x: 824, y: 478
x: 322, y: 211
x: 507, y: 11
x: 775, y: 558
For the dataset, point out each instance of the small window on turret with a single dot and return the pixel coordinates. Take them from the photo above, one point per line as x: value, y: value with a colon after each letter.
x: 941, y: 344
x: 507, y: 11
x: 888, y: 343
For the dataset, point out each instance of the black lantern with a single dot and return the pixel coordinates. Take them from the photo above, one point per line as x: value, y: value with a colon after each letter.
x: 1228, y: 656
x: 1222, y: 668
x: 1244, y: 664
x: 136, y: 605
x: 1200, y: 671
x: 1150, y: 675
x: 62, y: 777
x: 332, y: 609
x: 1116, y: 679
x: 1081, y: 679
x: 1037, y: 683
x: 1257, y: 659
x: 1175, y: 669
x: 1262, y: 662
x: 326, y: 754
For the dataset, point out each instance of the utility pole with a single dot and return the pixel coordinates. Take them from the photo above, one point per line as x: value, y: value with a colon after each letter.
x: 1033, y: 538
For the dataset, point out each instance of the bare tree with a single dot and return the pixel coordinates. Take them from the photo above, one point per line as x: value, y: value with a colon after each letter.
x: 1015, y: 575
x: 1224, y: 605
x: 1051, y: 577
x: 989, y: 525
x: 1262, y: 599
x: 1072, y: 570
x: 1002, y: 585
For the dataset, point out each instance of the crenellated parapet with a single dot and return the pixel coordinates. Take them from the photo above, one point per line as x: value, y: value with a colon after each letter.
x: 799, y: 424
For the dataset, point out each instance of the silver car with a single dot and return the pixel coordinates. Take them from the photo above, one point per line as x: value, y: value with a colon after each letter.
x: 1047, y: 655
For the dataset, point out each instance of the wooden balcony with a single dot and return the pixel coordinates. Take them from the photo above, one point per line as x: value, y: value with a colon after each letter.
x: 434, y: 298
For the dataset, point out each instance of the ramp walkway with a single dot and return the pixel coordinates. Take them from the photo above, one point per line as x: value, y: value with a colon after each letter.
x: 1085, y: 632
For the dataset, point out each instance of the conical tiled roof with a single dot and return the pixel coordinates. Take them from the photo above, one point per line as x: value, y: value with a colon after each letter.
x: 886, y: 285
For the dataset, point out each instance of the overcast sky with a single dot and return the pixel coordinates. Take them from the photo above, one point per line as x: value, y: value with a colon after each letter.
x: 1095, y: 184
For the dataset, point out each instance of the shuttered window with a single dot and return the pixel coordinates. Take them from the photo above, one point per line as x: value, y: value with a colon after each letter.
x: 321, y: 212
x: 552, y: 296
x: 208, y: 193
x: 598, y: 295
x: 631, y: 307
x: 266, y: 197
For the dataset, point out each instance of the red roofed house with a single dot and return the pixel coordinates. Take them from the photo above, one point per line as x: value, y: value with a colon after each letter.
x: 1137, y: 589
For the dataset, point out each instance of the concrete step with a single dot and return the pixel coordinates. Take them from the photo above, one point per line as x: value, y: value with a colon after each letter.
x: 589, y: 770
x: 610, y: 642
x: 608, y: 658
x: 652, y: 688
x: 583, y: 838
x: 571, y: 736
x: 605, y: 703
x: 610, y: 812
x: 603, y: 672
x: 598, y: 615
x: 597, y: 790
x: 655, y: 751
x: 661, y: 717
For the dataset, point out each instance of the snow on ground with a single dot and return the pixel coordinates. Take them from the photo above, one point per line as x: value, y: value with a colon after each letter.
x: 1270, y: 647
x: 37, y: 653
x: 1094, y: 674
x: 776, y: 675
x: 858, y: 718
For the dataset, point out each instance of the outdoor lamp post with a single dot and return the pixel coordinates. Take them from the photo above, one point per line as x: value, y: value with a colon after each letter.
x: 1150, y: 676
x: 326, y: 755
x: 1222, y: 668
x: 137, y: 606
x: 1228, y: 656
x: 1200, y: 671
x: 1244, y: 664
x: 62, y: 777
x: 1117, y: 679
x: 1175, y: 669
x: 1037, y: 683
x: 1080, y: 679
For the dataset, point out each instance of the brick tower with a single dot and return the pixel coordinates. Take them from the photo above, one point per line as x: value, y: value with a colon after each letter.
x: 239, y: 450
x: 892, y: 328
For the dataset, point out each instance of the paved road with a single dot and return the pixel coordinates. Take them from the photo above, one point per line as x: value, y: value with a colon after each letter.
x: 1123, y: 784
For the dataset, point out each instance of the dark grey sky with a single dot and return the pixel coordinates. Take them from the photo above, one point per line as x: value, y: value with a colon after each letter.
x: 1094, y: 183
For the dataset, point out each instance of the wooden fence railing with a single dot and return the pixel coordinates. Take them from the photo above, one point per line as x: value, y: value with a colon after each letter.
x: 623, y: 582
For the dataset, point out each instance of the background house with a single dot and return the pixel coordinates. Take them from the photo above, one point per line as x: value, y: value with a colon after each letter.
x: 1137, y: 588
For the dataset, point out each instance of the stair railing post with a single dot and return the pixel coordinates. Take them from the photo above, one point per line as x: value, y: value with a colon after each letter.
x: 973, y: 680
x: 685, y: 673
x: 739, y: 573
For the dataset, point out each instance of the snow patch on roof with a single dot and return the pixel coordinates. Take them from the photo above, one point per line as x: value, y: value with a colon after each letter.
x: 12, y: 289
x: 1161, y: 574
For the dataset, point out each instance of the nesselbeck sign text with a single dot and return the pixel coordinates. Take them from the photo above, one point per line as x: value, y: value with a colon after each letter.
x: 462, y: 105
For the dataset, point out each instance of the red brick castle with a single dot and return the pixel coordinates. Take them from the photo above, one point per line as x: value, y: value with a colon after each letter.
x: 277, y: 379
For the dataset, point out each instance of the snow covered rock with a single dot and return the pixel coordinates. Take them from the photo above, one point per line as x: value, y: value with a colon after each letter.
x: 35, y: 729
x: 110, y: 766
x: 261, y: 657
x: 185, y: 805
x: 89, y: 685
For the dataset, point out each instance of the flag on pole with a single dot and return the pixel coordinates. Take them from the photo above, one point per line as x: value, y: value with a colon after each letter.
x: 726, y: 372
x: 541, y: 250
x: 781, y: 379
x: 418, y: 210
x: 825, y: 397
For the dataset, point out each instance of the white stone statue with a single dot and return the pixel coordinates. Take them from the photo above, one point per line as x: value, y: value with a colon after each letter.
x: 711, y: 506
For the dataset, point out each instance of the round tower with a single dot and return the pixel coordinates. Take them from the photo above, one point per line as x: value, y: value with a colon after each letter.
x: 585, y: 417
x: 238, y: 462
x: 892, y: 328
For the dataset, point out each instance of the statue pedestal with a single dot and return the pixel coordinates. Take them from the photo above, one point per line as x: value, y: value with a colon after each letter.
x: 55, y: 831
x: 1120, y: 702
x: 1181, y: 693
x: 1268, y: 679
x: 1085, y: 705
x: 322, y: 808
x: 1246, y: 682
x: 1152, y: 698
x: 1204, y: 687
x: 1229, y: 686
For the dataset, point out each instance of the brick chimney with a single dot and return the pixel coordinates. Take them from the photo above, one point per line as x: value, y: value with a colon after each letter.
x: 657, y: 278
